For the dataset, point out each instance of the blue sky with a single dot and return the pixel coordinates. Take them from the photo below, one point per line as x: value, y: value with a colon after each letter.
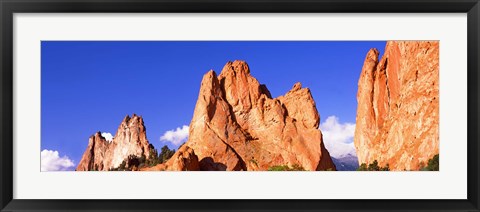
x: 90, y: 86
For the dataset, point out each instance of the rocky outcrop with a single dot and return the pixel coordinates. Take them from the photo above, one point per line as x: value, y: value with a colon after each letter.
x: 103, y: 155
x: 183, y: 160
x: 398, y: 105
x: 237, y: 125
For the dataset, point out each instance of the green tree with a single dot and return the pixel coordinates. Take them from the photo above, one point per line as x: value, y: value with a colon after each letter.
x: 373, y: 167
x: 362, y: 167
x: 153, y: 158
x: 433, y: 164
x: 165, y: 154
x: 132, y: 161
x: 386, y: 168
x: 123, y: 166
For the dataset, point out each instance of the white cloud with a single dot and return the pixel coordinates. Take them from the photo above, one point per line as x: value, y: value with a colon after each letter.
x: 51, y: 161
x: 108, y: 136
x: 338, y: 137
x: 177, y: 136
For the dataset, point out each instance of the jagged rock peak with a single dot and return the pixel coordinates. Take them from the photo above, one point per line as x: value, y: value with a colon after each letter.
x: 238, y: 126
x: 211, y: 74
x: 134, y: 121
x: 97, y: 134
x: 237, y: 67
x: 133, y: 118
x: 130, y: 139
x: 126, y: 119
x: 210, y: 82
x: 372, y: 55
x: 297, y: 86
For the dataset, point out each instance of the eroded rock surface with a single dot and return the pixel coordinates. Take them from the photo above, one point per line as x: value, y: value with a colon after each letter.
x: 398, y: 105
x: 237, y: 125
x: 130, y: 139
x: 183, y: 160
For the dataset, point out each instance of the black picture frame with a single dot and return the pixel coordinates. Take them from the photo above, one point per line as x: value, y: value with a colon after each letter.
x: 9, y: 7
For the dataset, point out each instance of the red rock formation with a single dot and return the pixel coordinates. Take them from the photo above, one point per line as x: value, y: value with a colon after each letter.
x: 397, y: 113
x: 183, y: 160
x: 103, y: 155
x: 237, y: 125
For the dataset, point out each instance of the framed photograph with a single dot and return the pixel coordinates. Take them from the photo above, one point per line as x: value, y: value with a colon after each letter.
x: 254, y: 106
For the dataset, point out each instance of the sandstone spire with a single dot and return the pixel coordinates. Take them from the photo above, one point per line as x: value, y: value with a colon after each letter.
x: 237, y: 125
x: 398, y: 105
x: 130, y: 139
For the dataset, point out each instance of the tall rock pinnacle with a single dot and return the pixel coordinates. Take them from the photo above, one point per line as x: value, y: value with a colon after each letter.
x: 398, y: 105
x: 103, y: 155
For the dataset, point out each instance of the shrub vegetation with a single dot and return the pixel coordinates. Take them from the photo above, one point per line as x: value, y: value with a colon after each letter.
x: 373, y: 167
x: 433, y: 164
x: 295, y: 167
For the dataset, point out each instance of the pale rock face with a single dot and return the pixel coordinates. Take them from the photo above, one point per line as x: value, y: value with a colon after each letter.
x: 130, y: 139
x: 237, y: 125
x: 398, y: 105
